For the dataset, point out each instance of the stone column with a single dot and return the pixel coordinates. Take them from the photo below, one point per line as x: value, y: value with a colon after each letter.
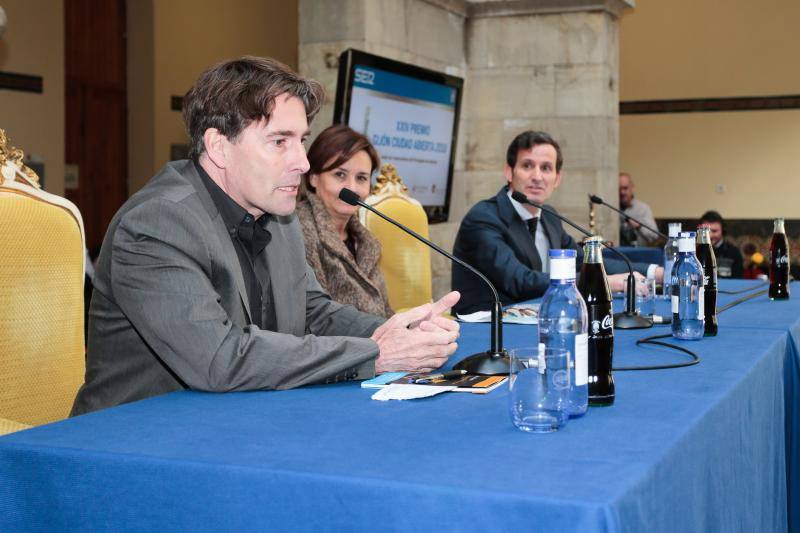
x: 547, y: 65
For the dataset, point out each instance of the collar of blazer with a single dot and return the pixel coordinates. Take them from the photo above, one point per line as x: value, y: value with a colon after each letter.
x: 220, y: 231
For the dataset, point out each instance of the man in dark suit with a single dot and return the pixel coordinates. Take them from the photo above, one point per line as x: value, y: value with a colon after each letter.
x: 509, y: 242
x: 730, y: 263
x: 202, y: 281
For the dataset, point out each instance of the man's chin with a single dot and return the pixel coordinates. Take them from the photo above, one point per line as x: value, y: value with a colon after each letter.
x: 283, y: 210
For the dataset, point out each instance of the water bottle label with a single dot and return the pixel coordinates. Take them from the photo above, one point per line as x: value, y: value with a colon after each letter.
x: 562, y: 268
x: 701, y: 304
x: 675, y: 304
x: 581, y: 359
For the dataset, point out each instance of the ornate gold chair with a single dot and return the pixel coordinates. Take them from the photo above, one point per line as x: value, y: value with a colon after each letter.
x: 405, y: 262
x: 42, y: 355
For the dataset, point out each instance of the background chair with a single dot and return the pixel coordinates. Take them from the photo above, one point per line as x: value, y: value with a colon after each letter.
x: 405, y: 262
x: 42, y: 353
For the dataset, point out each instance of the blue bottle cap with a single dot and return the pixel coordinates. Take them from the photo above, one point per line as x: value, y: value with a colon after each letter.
x: 562, y: 254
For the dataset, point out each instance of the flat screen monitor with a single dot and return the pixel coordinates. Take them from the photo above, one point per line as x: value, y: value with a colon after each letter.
x: 410, y: 114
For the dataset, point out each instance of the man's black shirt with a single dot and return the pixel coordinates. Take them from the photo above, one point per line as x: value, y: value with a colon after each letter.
x: 250, y: 238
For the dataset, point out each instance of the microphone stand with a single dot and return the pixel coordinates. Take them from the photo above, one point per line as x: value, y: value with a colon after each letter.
x: 628, y: 319
x: 597, y: 200
x: 494, y: 361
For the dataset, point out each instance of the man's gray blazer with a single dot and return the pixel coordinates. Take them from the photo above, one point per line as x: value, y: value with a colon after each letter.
x: 170, y: 309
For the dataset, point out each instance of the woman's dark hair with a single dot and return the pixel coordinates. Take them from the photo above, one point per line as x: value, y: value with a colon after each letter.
x: 232, y: 94
x: 333, y: 147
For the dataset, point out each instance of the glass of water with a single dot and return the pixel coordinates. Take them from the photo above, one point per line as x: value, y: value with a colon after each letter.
x: 539, y: 388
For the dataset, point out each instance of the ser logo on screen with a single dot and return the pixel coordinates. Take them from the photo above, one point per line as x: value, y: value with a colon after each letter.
x: 366, y: 77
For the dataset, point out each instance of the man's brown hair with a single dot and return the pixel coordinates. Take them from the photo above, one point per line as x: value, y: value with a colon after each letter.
x: 232, y: 94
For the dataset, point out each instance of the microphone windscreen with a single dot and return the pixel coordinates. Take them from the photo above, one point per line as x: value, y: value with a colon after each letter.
x: 518, y: 196
x: 348, y: 196
x: 595, y: 199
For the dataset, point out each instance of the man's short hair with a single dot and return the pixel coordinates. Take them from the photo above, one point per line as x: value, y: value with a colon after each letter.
x: 713, y: 216
x: 232, y: 94
x: 527, y: 140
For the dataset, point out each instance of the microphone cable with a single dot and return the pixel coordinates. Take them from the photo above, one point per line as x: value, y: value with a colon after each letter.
x: 695, y: 359
x: 653, y: 339
x: 741, y: 291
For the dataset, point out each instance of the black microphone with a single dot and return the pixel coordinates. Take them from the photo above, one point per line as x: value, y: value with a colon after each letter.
x: 628, y: 319
x: 492, y: 362
x: 597, y: 200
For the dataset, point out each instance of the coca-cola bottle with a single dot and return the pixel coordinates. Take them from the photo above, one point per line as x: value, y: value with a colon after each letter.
x: 708, y: 260
x: 779, y: 263
x: 593, y: 286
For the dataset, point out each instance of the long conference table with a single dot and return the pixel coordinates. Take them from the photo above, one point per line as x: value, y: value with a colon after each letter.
x: 710, y: 447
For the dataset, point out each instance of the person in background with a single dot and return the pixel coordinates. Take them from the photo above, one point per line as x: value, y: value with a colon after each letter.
x: 342, y: 252
x: 729, y: 259
x: 631, y: 233
x: 509, y: 242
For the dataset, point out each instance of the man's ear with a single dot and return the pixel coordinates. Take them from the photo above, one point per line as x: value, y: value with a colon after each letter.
x: 558, y: 181
x: 508, y: 172
x: 215, y: 144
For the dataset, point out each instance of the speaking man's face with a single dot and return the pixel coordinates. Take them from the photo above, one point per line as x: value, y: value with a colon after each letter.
x: 534, y: 173
x: 265, y: 162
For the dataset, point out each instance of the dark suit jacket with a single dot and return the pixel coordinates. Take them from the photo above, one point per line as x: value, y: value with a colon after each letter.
x: 494, y: 239
x: 170, y: 310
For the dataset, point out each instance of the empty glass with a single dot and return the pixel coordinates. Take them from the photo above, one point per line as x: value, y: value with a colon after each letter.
x: 539, y: 388
x: 645, y: 295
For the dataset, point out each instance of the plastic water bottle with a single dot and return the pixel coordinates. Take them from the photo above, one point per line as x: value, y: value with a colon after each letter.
x: 688, y: 307
x: 670, y: 255
x: 563, y: 323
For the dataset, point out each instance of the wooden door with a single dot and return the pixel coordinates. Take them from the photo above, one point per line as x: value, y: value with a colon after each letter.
x: 96, y: 138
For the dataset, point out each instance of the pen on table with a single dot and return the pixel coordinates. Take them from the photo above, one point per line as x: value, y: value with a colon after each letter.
x: 441, y: 375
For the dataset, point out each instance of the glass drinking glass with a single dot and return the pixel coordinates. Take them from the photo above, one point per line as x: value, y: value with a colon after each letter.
x: 645, y: 295
x: 539, y: 388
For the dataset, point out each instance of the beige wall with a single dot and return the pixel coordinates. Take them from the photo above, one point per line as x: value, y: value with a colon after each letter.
x: 187, y: 37
x: 34, y: 44
x: 744, y: 164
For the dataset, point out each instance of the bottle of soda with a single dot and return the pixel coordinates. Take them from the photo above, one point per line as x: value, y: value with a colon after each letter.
x: 670, y: 255
x: 563, y: 324
x: 688, y: 309
x: 708, y: 260
x: 779, y: 263
x: 593, y: 286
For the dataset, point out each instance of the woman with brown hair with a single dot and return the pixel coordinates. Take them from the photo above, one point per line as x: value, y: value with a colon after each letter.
x: 342, y: 252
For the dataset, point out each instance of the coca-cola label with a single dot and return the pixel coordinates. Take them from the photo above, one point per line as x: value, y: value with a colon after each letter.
x: 601, y: 321
x: 782, y: 260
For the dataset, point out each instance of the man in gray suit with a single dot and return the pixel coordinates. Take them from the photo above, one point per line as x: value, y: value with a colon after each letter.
x: 202, y: 281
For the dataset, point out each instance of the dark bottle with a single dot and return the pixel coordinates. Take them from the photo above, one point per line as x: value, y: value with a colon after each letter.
x: 779, y: 263
x: 708, y: 260
x: 593, y: 286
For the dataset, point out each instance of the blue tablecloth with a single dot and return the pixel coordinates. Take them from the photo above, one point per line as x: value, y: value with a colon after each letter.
x: 694, y: 449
